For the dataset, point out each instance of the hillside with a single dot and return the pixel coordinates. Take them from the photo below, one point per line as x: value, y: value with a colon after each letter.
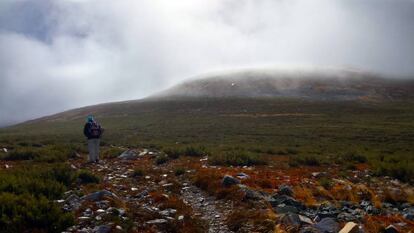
x: 266, y: 105
x: 328, y: 85
x: 316, y: 85
x: 222, y: 154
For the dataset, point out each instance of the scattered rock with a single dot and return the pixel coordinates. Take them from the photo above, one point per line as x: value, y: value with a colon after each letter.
x: 99, y: 195
x: 350, y: 227
x: 284, y: 209
x: 229, y: 181
x: 327, y: 225
x: 391, y: 229
x: 309, y: 230
x: 250, y: 194
x: 242, y: 176
x: 305, y: 220
x: 128, y: 155
x: 157, y: 221
x: 168, y: 212
x: 277, y: 200
x: 327, y: 211
x: 409, y: 213
x: 285, y: 190
x: 72, y: 202
x: 102, y: 229
x: 291, y: 219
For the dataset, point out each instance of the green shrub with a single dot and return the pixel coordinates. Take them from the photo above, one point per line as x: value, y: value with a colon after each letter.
x: 195, y: 151
x: 87, y: 177
x: 179, y: 171
x: 402, y: 170
x: 236, y: 158
x: 112, y: 152
x: 26, y: 213
x: 325, y: 182
x: 40, y: 180
x: 173, y: 153
x: 61, y: 173
x: 138, y: 173
x: 309, y: 160
x: 27, y: 195
x: 350, y: 166
x: 50, y: 154
x: 161, y: 159
x: 352, y: 156
x: 21, y: 154
x: 292, y: 151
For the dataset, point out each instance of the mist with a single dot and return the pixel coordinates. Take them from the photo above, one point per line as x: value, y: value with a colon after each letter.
x: 57, y: 55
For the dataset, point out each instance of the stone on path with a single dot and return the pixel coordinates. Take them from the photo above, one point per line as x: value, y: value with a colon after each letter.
x: 157, y: 221
x: 327, y: 225
x: 350, y: 227
x: 285, y: 190
x: 391, y: 229
x: 229, y: 181
x: 99, y: 195
x: 128, y: 154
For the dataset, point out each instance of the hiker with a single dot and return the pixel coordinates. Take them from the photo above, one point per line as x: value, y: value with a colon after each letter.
x: 93, y: 132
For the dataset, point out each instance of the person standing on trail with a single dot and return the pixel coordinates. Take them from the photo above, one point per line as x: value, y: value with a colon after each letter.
x: 93, y: 131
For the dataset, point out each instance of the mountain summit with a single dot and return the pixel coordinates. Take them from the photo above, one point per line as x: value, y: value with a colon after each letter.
x: 316, y: 84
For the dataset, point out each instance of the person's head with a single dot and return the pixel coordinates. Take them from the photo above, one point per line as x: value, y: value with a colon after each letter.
x: 90, y: 118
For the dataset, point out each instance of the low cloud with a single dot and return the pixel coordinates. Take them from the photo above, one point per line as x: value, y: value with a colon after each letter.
x: 56, y: 55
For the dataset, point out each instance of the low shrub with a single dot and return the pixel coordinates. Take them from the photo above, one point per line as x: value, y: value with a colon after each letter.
x: 174, y: 153
x: 161, y: 159
x: 236, y: 158
x: 309, y: 160
x: 402, y: 170
x: 87, y: 177
x: 112, y: 152
x: 179, y: 171
x: 258, y: 219
x: 325, y: 182
x: 36, y: 182
x: 25, y: 213
x: 27, y: 195
x: 292, y: 151
x: 354, y: 157
x: 21, y: 154
x: 50, y: 154
x: 195, y: 151
x: 137, y: 173
x: 210, y: 181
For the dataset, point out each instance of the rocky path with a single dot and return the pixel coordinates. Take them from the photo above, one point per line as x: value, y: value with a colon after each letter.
x: 139, y: 194
x: 126, y: 196
x: 207, y: 208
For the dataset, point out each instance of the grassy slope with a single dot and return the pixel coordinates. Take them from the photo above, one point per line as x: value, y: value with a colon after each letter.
x: 310, y: 127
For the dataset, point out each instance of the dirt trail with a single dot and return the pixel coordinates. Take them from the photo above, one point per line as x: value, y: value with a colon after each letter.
x: 118, y: 178
x: 208, y: 208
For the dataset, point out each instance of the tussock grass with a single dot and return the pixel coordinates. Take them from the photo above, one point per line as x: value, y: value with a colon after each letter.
x: 236, y: 158
x: 27, y: 197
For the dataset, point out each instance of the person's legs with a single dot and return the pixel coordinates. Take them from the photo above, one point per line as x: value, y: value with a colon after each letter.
x: 91, y: 149
x: 97, y: 150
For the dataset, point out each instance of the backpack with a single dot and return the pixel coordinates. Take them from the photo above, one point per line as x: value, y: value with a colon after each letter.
x: 95, y: 129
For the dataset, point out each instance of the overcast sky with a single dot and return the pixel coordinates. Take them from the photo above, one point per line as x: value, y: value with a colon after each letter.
x: 57, y: 55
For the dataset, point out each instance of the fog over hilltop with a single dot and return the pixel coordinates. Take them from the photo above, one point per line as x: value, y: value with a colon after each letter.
x: 58, y: 55
x: 320, y: 84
